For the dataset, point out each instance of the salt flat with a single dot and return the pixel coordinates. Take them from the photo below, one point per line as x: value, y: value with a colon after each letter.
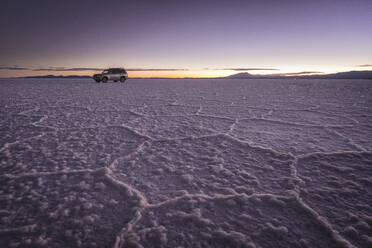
x: 185, y: 163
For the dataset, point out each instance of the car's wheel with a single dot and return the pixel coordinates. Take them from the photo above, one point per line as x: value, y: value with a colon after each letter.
x: 122, y: 79
x: 98, y: 81
x: 104, y: 80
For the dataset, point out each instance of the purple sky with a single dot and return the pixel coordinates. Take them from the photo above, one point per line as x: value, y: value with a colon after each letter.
x: 290, y: 36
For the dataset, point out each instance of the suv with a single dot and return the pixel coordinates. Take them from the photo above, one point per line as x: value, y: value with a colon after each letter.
x: 115, y: 74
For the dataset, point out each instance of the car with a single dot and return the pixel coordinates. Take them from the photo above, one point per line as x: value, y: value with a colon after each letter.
x: 115, y: 74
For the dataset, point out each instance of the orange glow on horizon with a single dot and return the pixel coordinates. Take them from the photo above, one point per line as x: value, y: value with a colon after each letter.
x: 191, y: 73
x: 131, y: 74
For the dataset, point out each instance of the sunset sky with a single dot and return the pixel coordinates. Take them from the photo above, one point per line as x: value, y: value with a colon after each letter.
x: 184, y: 38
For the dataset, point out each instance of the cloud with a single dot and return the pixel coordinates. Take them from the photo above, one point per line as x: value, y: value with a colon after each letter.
x: 16, y: 68
x: 245, y: 69
x: 298, y: 73
x: 364, y: 65
x: 59, y: 69
x: 101, y: 69
x: 13, y: 68
x: 67, y: 69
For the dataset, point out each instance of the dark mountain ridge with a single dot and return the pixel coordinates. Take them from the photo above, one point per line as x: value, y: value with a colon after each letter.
x: 339, y: 75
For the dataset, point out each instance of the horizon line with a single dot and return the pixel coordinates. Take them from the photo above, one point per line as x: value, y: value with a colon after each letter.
x: 255, y: 76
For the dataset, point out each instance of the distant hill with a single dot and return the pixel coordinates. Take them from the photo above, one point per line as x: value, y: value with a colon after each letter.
x: 339, y: 75
x: 243, y: 75
x: 345, y: 75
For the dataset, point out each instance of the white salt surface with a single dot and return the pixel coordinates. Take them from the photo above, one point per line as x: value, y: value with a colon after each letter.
x: 186, y: 163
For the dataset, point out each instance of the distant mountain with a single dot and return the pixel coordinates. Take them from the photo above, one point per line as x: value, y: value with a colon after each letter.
x: 53, y: 76
x: 339, y: 75
x: 243, y: 75
x: 345, y: 75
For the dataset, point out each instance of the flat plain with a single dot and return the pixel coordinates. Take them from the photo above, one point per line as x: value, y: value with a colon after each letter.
x: 185, y: 163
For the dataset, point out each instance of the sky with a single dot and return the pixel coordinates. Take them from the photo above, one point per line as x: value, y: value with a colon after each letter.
x: 184, y: 38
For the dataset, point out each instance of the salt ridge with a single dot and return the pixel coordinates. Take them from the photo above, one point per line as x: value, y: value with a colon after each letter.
x: 286, y: 184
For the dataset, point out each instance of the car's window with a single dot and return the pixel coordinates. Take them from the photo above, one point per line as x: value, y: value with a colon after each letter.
x: 115, y: 71
x: 106, y: 71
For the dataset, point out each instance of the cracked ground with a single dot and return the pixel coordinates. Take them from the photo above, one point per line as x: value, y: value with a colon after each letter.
x: 185, y: 163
